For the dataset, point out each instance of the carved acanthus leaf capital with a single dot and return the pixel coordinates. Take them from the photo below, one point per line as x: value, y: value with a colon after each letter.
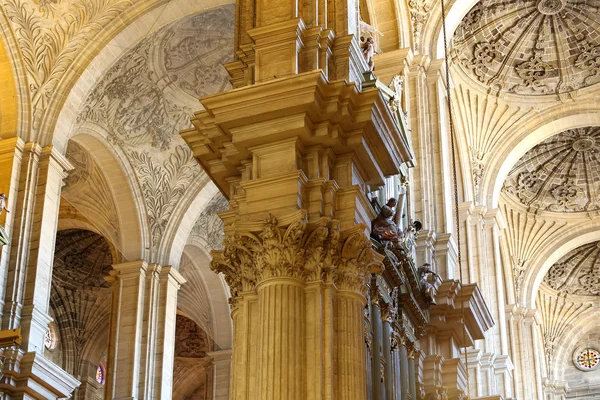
x: 308, y: 252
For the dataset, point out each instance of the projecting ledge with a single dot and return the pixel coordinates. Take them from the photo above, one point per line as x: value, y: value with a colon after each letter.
x: 454, y: 299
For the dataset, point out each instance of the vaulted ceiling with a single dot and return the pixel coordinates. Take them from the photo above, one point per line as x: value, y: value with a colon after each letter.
x: 532, y: 47
x: 560, y: 174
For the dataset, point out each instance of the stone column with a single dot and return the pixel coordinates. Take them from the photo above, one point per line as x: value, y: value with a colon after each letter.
x: 142, y: 337
x: 376, y: 322
x: 32, y: 178
x: 386, y: 318
x: 296, y: 150
x: 281, y: 307
x: 404, y: 372
x: 412, y: 377
x: 221, y: 373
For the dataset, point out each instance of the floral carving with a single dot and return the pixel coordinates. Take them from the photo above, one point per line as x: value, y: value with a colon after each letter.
x: 560, y: 174
x: 531, y: 47
x: 419, y: 13
x: 294, y: 251
x: 51, y: 34
x: 163, y: 185
x: 578, y: 272
x: 589, y: 60
x: 135, y: 102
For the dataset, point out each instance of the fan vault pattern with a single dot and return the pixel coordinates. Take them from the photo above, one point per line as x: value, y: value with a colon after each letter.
x: 578, y: 272
x: 532, y: 47
x: 560, y: 174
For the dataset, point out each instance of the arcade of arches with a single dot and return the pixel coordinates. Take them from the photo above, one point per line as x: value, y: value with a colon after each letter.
x: 197, y: 194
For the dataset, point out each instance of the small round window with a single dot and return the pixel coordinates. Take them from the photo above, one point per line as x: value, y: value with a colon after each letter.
x: 100, y: 374
x: 586, y: 359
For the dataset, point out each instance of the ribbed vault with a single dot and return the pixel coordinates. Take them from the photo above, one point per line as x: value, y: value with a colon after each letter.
x: 560, y: 174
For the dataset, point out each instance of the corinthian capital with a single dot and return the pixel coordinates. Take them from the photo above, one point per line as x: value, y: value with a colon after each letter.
x: 294, y: 248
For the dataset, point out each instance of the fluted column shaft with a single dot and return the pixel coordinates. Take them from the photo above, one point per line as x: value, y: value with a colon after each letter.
x: 387, y: 354
x: 281, y: 371
x: 377, y: 347
x: 412, y: 377
x: 404, y: 373
x: 350, y: 347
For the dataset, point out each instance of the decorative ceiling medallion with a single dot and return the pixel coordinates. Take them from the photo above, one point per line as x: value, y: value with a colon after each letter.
x: 532, y: 47
x: 578, y: 272
x: 586, y: 359
x: 561, y: 174
x: 551, y: 7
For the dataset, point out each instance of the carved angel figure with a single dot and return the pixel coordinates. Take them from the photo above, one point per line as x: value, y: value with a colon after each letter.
x: 383, y: 227
x: 426, y: 273
x: 368, y: 50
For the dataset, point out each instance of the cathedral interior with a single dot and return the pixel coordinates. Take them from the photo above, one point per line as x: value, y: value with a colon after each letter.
x: 300, y: 200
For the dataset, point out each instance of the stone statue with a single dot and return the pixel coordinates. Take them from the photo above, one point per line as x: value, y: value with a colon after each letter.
x: 395, y: 102
x: 383, y: 227
x: 368, y: 49
x: 3, y: 235
x: 409, y: 240
x: 3, y: 203
x: 425, y: 273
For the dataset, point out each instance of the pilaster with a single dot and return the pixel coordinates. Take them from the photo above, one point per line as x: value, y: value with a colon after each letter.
x: 142, y: 337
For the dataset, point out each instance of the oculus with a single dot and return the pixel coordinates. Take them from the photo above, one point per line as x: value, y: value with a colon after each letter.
x: 586, y: 359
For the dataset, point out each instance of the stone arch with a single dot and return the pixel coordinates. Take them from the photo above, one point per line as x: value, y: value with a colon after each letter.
x: 559, y: 244
x: 533, y: 131
x: 194, y: 207
x: 110, y: 51
x: 132, y: 237
x: 587, y: 323
x: 218, y: 295
x: 9, y: 97
x: 80, y: 297
x: 432, y: 38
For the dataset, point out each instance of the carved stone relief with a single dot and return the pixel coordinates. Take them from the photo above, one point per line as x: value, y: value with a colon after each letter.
x: 51, y: 34
x: 419, y: 13
x: 310, y: 254
x: 190, y: 340
x: 531, y: 47
x: 148, y: 96
x: 561, y: 174
x: 578, y: 272
x: 139, y: 101
x: 208, y: 229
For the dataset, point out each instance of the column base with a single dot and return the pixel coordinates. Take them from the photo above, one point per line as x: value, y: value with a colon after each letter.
x: 32, y: 376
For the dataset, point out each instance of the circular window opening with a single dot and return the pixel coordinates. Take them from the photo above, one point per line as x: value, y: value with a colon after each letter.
x: 586, y: 359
